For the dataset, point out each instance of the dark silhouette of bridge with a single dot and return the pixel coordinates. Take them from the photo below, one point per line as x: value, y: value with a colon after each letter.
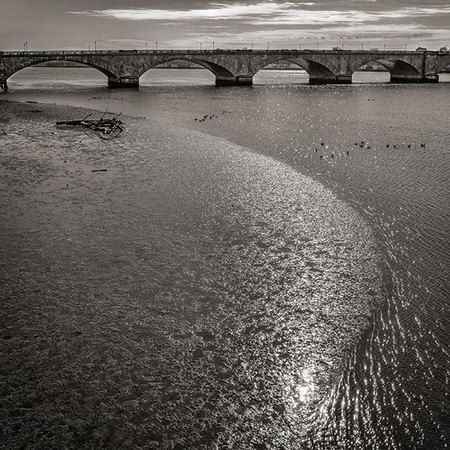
x: 238, y: 67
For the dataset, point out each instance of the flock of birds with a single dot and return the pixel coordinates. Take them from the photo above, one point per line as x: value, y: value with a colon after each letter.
x: 364, y: 144
x: 208, y: 117
x: 202, y: 119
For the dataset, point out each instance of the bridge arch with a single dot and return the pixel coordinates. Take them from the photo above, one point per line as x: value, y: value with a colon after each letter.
x: 147, y: 76
x: 23, y: 64
x: 301, y: 78
x: 443, y: 62
x: 444, y: 74
x: 317, y: 72
x: 385, y: 64
x: 220, y: 72
x: 400, y: 70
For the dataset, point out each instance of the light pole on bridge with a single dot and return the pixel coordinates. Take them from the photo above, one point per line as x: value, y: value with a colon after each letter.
x: 156, y: 45
x: 146, y: 46
x: 95, y: 45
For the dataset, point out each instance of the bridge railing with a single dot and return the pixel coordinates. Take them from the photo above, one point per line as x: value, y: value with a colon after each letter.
x: 207, y: 52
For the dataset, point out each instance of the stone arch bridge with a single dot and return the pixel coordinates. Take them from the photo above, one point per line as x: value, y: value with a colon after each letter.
x: 238, y: 67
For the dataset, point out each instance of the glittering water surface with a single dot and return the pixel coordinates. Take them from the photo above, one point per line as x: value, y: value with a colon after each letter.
x: 383, y: 149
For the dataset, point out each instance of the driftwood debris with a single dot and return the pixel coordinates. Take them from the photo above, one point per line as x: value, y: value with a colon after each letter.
x: 106, y: 126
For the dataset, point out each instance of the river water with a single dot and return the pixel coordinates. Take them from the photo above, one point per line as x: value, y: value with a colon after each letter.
x: 380, y: 148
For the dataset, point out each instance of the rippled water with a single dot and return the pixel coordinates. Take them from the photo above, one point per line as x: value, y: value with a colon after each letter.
x: 382, y: 148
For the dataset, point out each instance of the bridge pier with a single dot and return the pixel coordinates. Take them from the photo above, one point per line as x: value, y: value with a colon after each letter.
x: 123, y: 82
x: 234, y: 81
x: 4, y: 85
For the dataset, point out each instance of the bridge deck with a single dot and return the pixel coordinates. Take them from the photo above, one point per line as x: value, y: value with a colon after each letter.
x: 217, y: 52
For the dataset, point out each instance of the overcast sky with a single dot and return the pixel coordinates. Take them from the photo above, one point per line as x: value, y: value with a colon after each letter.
x: 129, y: 24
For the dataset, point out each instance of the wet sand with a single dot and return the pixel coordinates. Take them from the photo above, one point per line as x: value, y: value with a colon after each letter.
x: 136, y: 313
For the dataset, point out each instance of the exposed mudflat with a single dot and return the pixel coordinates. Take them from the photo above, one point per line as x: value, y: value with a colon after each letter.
x: 167, y: 289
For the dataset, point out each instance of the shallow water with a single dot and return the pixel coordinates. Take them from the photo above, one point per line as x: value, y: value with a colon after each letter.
x: 394, y: 391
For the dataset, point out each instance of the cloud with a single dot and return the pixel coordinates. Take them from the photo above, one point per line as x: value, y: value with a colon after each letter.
x: 269, y: 13
x: 217, y: 11
x: 308, y: 17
